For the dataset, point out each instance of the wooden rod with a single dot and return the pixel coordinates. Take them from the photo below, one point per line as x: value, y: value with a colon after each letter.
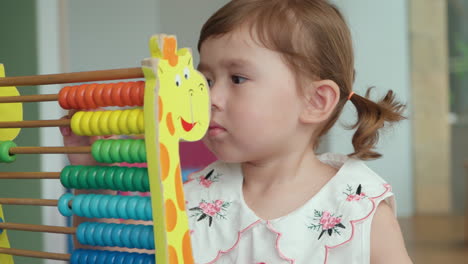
x: 50, y: 150
x: 28, y: 201
x: 29, y: 98
x: 35, y: 123
x: 34, y: 254
x: 89, y: 76
x: 38, y: 228
x: 29, y: 175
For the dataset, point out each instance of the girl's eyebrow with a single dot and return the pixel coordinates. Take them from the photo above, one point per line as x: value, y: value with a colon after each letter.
x: 228, y: 63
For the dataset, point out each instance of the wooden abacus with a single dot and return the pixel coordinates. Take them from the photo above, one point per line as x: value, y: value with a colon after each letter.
x: 172, y: 103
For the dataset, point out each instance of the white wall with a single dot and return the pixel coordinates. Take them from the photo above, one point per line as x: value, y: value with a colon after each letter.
x: 381, y: 41
x: 186, y: 18
x: 50, y: 61
x: 110, y: 34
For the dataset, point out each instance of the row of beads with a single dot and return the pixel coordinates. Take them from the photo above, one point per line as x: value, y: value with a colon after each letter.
x: 106, y: 206
x: 5, y: 156
x: 100, y: 123
x: 119, y: 150
x: 87, y: 256
x: 116, y: 178
x: 94, y: 95
x: 115, y: 235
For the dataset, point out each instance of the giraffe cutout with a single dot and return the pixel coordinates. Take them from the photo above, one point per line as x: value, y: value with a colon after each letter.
x: 182, y: 111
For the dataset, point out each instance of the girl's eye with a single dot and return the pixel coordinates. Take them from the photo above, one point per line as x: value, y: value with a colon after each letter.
x: 238, y: 79
x: 210, y: 82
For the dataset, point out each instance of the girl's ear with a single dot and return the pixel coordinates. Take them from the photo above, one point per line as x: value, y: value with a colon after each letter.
x: 321, y: 98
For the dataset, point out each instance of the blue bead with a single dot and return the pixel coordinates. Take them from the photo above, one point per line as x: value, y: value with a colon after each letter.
x: 89, y: 233
x: 99, y: 235
x: 92, y: 256
x: 116, y: 235
x: 132, y: 205
x: 75, y: 256
x: 62, y: 205
x: 95, y: 205
x: 122, y: 207
x: 125, y: 236
x: 106, y: 234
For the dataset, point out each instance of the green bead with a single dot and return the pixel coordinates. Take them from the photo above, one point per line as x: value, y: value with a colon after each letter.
x: 115, y: 151
x: 134, y: 152
x: 5, y: 151
x: 65, y: 176
x: 142, y: 152
x: 96, y: 150
x: 74, y: 175
x: 118, y: 178
x: 101, y: 173
x: 127, y: 180
x: 125, y: 149
x: 145, y: 180
x: 82, y: 178
x: 109, y: 179
x: 105, y: 150
x: 91, y: 177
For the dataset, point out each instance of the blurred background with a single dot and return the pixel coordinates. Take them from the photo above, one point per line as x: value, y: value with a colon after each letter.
x: 418, y: 48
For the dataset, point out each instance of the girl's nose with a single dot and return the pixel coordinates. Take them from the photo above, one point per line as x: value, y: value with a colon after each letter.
x: 216, y: 96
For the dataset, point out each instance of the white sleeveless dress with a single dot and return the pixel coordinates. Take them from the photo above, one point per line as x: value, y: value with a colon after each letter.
x: 332, y: 227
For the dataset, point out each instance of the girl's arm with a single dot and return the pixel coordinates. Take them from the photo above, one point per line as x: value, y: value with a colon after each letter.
x: 387, y: 244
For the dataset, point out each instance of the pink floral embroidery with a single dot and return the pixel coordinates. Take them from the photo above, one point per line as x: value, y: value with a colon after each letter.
x: 205, y: 182
x: 211, y: 208
x: 208, y: 179
x: 326, y: 222
x: 357, y: 196
x: 204, y: 210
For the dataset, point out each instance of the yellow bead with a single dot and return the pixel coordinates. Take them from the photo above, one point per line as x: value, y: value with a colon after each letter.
x: 76, y: 123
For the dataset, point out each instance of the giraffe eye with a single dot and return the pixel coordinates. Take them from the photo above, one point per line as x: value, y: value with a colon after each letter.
x: 178, y: 81
x: 186, y: 73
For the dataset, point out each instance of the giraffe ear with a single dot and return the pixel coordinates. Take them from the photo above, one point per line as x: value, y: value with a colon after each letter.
x: 154, y: 45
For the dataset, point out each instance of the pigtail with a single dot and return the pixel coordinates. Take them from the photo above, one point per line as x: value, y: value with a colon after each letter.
x: 372, y: 116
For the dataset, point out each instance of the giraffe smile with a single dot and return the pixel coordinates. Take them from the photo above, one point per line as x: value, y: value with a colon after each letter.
x: 186, y: 125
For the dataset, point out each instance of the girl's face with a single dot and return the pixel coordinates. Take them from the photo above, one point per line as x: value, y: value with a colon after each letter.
x: 254, y: 98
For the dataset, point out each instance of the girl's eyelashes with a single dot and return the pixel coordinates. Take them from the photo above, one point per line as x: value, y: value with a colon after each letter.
x: 238, y: 79
x: 210, y: 82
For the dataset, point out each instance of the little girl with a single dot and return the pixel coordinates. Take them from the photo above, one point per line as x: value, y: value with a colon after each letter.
x: 280, y: 73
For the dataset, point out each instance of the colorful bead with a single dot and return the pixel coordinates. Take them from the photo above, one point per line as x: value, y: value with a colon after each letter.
x: 100, y: 123
x: 5, y: 155
x: 119, y: 150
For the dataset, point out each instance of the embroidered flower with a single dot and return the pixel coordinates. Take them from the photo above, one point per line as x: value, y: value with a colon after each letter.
x: 326, y: 222
x: 204, y: 210
x: 357, y: 196
x: 207, y: 180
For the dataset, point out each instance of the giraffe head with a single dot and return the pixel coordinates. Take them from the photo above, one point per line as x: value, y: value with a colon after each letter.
x: 183, y: 90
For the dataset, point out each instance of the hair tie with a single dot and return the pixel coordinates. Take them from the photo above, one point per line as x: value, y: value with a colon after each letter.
x: 350, y: 95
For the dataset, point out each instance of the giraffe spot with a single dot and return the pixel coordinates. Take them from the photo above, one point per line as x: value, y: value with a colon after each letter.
x: 179, y: 190
x: 170, y: 124
x: 164, y: 160
x: 173, y: 255
x: 171, y: 215
x: 160, y: 108
x: 187, y: 248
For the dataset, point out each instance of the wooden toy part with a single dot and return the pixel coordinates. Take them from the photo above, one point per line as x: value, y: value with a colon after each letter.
x: 9, y: 111
x: 176, y: 97
x: 4, y: 243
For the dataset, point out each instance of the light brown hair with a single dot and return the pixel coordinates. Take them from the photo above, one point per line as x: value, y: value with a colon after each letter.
x: 314, y: 40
